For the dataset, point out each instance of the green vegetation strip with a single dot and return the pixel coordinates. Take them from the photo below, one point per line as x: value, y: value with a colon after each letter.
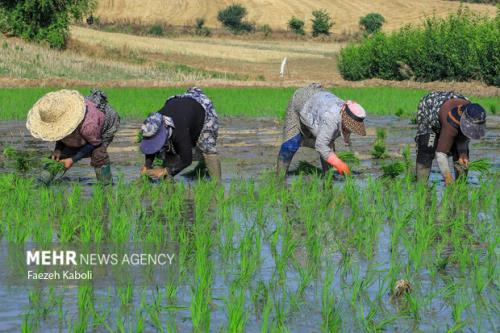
x: 252, y: 255
x: 136, y: 103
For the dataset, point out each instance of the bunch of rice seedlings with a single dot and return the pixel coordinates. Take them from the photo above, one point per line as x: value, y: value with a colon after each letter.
x: 482, y: 165
x: 406, y: 156
x: 52, y: 166
x: 394, y: 169
x: 138, y: 137
x: 348, y: 157
x: 379, y: 149
x: 22, y: 163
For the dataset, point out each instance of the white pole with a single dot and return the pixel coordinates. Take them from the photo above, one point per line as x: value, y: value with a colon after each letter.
x: 282, y: 68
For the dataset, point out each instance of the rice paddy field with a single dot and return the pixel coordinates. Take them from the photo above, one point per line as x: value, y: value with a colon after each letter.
x: 315, y: 253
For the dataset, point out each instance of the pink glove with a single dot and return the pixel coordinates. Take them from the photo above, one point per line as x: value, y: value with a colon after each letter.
x: 337, y: 163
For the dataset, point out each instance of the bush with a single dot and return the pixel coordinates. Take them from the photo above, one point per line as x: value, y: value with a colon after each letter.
x: 156, y: 30
x: 321, y: 23
x: 297, y: 26
x: 460, y: 47
x: 200, y: 28
x: 266, y: 30
x: 232, y: 18
x: 372, y: 22
x: 46, y: 20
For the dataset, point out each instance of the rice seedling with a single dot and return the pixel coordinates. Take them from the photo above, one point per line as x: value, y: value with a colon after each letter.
x: 258, y: 255
x: 481, y: 165
x: 348, y: 157
x: 379, y: 150
x: 394, y: 169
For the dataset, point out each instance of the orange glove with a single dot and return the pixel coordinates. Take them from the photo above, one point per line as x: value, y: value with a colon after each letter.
x: 338, y: 164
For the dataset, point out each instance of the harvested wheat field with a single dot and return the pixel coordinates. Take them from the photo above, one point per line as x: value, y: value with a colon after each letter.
x: 256, y: 59
x: 276, y: 13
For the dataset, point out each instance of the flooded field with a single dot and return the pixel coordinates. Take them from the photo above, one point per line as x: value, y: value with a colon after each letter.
x: 249, y: 146
x: 313, y: 255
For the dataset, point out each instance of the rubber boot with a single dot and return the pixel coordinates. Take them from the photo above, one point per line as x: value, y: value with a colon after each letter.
x: 212, y: 162
x: 282, y: 168
x: 423, y: 172
x: 103, y: 175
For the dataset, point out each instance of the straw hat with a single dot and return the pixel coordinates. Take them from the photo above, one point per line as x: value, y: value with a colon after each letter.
x: 56, y: 115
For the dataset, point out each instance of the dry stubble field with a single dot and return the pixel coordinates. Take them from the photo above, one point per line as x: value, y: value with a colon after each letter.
x: 276, y: 13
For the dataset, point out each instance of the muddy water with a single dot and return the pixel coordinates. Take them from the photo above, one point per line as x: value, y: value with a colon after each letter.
x: 249, y: 147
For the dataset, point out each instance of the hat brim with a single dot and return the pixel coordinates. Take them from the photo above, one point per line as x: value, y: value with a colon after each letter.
x: 154, y: 144
x: 74, y: 113
x: 354, y: 126
x: 471, y: 130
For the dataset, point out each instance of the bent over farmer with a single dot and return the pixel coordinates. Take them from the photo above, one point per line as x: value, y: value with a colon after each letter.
x: 81, y: 127
x: 315, y: 118
x: 446, y: 121
x: 185, y: 122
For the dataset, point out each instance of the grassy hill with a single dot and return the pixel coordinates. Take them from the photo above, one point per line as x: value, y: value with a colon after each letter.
x: 276, y: 13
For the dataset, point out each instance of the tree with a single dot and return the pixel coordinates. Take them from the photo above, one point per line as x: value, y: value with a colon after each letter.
x: 321, y: 23
x: 372, y: 22
x: 296, y: 25
x: 46, y: 20
x: 232, y: 18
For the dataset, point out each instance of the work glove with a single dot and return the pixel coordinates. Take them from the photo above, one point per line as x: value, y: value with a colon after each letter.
x: 338, y: 164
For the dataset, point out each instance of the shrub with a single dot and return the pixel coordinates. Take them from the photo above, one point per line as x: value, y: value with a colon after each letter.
x: 321, y: 23
x: 156, y: 30
x: 232, y: 18
x: 372, y: 22
x: 200, y: 28
x: 46, y: 20
x: 266, y: 30
x: 297, y: 26
x: 460, y: 47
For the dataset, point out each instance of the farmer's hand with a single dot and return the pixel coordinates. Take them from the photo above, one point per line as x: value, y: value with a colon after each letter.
x: 448, y: 179
x: 338, y: 164
x: 464, y: 161
x: 157, y: 173
x: 67, y: 162
x: 144, y: 169
x: 56, y: 155
x: 343, y: 169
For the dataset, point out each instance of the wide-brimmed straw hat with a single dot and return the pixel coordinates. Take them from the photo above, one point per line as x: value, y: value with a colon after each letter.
x: 353, y: 116
x: 56, y: 115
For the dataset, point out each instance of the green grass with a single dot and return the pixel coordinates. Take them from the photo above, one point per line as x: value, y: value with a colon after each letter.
x: 250, y: 102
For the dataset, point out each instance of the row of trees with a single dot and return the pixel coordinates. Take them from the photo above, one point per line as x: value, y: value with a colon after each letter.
x: 232, y: 17
x: 49, y: 20
x: 46, y: 20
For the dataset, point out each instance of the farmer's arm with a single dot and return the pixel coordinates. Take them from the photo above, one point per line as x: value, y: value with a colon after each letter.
x: 56, y: 155
x: 462, y: 145
x: 325, y: 136
x: 84, y: 151
x: 149, y: 160
x: 446, y: 138
x: 182, y: 145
